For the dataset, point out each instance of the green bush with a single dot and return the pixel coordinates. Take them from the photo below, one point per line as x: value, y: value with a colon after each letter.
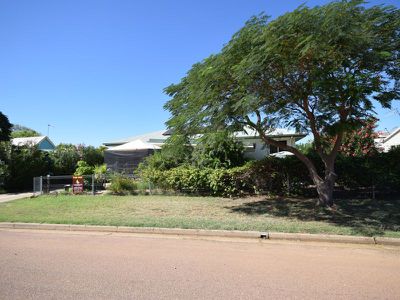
x: 122, y: 185
x: 25, y: 163
x: 100, y: 170
x: 278, y: 176
x: 83, y: 168
x: 381, y: 170
x: 218, y: 150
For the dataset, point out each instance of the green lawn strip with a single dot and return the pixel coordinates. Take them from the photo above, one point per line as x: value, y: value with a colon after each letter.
x: 353, y: 217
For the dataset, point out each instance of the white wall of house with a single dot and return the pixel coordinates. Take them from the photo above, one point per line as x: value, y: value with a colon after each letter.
x: 255, y: 148
x: 393, y: 141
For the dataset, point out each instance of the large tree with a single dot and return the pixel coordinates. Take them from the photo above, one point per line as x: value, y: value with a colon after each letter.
x: 314, y: 69
x: 5, y: 128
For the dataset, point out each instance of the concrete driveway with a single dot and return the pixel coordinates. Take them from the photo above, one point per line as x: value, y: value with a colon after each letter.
x: 67, y: 265
x: 11, y: 197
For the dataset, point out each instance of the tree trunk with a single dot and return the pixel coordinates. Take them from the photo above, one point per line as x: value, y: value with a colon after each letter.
x: 323, y: 185
x: 325, y: 192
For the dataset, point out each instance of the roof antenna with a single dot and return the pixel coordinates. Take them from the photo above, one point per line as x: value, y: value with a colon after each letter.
x: 48, y: 129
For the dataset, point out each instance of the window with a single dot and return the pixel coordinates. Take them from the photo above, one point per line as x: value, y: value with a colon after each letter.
x: 274, y: 149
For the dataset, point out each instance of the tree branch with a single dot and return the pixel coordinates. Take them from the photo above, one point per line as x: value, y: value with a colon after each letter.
x: 270, y: 141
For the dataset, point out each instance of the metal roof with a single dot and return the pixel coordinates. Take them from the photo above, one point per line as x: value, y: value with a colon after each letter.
x: 392, y: 134
x: 148, y: 137
x: 30, y: 141
x: 159, y: 137
x: 134, y: 145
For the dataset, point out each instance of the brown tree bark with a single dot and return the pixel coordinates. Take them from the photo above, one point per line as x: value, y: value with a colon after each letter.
x: 324, y: 185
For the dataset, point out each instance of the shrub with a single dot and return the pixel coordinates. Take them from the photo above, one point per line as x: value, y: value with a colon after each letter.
x: 175, y: 152
x: 278, y: 176
x: 122, y: 185
x: 83, y: 168
x: 65, y: 158
x: 24, y: 164
x: 92, y: 156
x: 218, y: 150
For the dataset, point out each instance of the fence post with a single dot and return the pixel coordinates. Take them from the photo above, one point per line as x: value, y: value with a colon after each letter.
x: 93, y: 191
x: 48, y: 183
x: 41, y: 185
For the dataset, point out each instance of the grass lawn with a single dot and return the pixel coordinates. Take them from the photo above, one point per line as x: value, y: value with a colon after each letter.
x: 352, y: 217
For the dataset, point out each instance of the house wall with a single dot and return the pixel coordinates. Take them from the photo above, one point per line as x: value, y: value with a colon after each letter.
x: 261, y: 150
x: 45, y: 145
x: 392, y: 142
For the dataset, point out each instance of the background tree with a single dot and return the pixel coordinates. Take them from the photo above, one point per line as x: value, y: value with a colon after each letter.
x: 22, y: 131
x: 218, y: 150
x: 315, y: 69
x: 24, y: 164
x: 65, y: 158
x: 5, y: 128
x: 93, y: 156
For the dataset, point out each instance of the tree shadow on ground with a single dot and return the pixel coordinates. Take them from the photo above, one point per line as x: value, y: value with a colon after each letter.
x: 364, y: 216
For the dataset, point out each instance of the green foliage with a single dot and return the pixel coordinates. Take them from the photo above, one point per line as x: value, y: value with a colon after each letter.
x: 18, y: 165
x: 100, y: 169
x: 5, y: 151
x: 176, y: 151
x: 381, y: 170
x: 213, y: 150
x: 83, y: 168
x: 334, y: 57
x: 218, y: 150
x: 24, y: 164
x: 305, y: 148
x: 122, y: 185
x: 91, y: 155
x: 279, y: 176
x: 5, y: 128
x: 65, y: 158
x: 314, y: 69
x: 254, y: 177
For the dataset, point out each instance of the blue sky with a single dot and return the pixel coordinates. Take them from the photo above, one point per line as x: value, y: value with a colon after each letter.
x: 95, y: 70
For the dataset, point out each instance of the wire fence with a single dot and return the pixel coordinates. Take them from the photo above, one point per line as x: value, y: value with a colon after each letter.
x: 91, y: 184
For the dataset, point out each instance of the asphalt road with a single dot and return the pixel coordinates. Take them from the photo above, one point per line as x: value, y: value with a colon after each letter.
x: 63, y: 265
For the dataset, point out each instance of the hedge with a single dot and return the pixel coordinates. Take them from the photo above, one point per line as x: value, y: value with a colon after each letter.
x: 279, y: 176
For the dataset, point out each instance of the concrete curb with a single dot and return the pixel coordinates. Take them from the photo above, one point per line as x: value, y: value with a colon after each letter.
x: 304, y: 237
x: 387, y: 241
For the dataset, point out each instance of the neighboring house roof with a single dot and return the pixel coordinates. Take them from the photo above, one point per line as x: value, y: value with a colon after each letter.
x: 386, y: 142
x: 134, y: 145
x: 159, y: 137
x: 147, y: 138
x: 393, y: 134
x: 34, y: 141
x: 278, y: 132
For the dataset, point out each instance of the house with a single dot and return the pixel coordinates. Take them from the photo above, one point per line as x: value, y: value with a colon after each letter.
x: 255, y: 148
x: 385, y: 141
x: 41, y: 142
